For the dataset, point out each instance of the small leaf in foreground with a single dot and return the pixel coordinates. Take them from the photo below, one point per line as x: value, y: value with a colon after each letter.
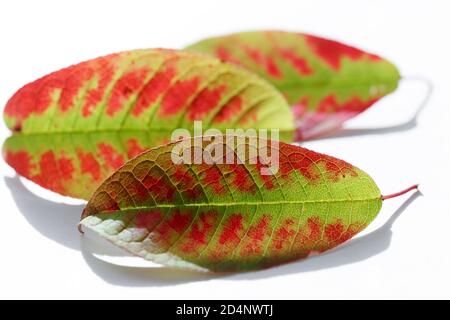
x: 230, y: 216
x: 325, y: 81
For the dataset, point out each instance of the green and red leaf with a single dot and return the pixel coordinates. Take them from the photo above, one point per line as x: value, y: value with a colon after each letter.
x: 325, y: 81
x: 231, y: 217
x: 74, y: 127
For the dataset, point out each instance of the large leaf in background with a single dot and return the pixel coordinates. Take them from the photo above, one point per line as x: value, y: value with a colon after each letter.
x: 326, y: 82
x: 230, y: 217
x: 74, y: 127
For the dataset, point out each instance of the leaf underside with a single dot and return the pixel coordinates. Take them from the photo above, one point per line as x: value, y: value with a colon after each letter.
x: 325, y: 81
x: 230, y: 217
x: 74, y: 127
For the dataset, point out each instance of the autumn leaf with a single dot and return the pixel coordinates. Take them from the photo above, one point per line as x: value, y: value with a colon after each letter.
x: 325, y: 81
x: 74, y: 127
x: 232, y: 216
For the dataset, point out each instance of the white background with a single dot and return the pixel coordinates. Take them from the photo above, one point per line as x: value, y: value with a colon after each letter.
x: 43, y: 256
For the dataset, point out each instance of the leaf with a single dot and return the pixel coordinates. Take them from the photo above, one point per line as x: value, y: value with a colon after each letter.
x: 231, y: 217
x: 326, y: 82
x: 74, y: 127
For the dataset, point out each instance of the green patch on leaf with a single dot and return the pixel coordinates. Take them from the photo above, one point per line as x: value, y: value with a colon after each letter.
x: 74, y: 127
x: 325, y: 81
x: 230, y: 216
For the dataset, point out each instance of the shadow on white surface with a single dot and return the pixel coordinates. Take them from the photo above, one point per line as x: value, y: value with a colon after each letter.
x: 129, y: 276
x: 407, y: 125
x: 58, y: 222
x: 355, y: 250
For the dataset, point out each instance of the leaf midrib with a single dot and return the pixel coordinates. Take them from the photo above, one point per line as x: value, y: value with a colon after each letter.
x: 148, y: 130
x: 245, y: 203
x: 335, y: 84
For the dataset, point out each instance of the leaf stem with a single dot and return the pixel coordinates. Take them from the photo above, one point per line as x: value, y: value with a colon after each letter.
x: 394, y: 195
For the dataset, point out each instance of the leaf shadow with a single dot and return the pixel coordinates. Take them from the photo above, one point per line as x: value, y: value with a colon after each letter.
x: 58, y: 221
x: 129, y: 276
x: 405, y: 126
x: 355, y: 250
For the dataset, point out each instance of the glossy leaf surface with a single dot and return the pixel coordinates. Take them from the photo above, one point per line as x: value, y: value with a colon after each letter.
x: 231, y: 217
x: 74, y: 127
x: 325, y: 81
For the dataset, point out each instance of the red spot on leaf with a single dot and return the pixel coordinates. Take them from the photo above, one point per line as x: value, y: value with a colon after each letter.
x: 265, y: 61
x: 336, y: 234
x: 351, y: 231
x: 73, y: 84
x: 106, y: 204
x: 134, y: 148
x: 53, y: 172
x: 200, y: 232
x: 304, y: 162
x: 153, y: 89
x: 180, y: 221
x: 110, y: 206
x: 45, y: 94
x: 300, y: 64
x: 212, y: 177
x: 130, y: 83
x: 272, y: 68
x: 89, y: 165
x: 223, y: 54
x: 104, y: 75
x: 284, y: 235
x: 36, y: 96
x: 232, y: 228
x: 266, y: 178
x: 333, y: 231
x: 253, y: 244
x: 186, y: 183
x: 136, y: 190
x: 230, y: 109
x: 310, y: 164
x: 337, y: 168
x: 20, y: 161
x: 148, y: 219
x: 183, y: 177
x: 159, y: 187
x: 166, y: 233
x: 112, y: 158
x: 332, y: 52
x: 308, y: 236
x: 22, y: 103
x: 315, y: 228
x: 254, y: 54
x: 374, y: 57
x: 206, y: 101
x: 66, y: 168
x: 178, y: 95
x: 352, y: 106
x: 242, y: 178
